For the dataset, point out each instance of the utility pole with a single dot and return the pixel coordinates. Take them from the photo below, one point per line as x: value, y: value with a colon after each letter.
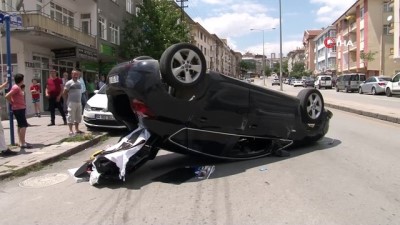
x: 182, y: 6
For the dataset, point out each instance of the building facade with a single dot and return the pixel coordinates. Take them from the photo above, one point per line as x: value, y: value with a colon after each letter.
x: 365, y: 24
x: 325, y: 56
x: 295, y: 56
x: 309, y: 48
x: 65, y: 34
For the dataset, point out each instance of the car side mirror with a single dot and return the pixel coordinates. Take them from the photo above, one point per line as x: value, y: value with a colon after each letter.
x: 96, y: 91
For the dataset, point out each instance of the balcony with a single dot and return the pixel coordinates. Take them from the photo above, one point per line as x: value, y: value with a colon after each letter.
x: 41, y: 22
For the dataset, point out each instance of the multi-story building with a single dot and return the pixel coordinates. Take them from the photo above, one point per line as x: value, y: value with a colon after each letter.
x: 395, y: 28
x: 325, y: 56
x: 219, y: 57
x: 65, y: 34
x: 295, y: 56
x: 309, y: 47
x: 364, y: 30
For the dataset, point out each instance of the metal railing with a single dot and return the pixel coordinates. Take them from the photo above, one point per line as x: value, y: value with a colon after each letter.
x: 43, y: 22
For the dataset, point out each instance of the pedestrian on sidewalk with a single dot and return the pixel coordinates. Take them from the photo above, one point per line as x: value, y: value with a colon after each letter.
x: 17, y: 100
x: 84, y: 97
x: 65, y: 79
x: 4, y: 150
x: 72, y: 90
x: 54, y: 91
x: 35, y: 91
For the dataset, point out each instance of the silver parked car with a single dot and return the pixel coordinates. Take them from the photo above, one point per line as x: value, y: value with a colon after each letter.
x: 374, y: 85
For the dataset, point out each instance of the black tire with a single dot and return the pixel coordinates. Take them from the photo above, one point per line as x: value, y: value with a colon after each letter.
x: 311, y: 105
x: 360, y: 90
x: 182, y: 65
x: 388, y: 93
x: 373, y: 91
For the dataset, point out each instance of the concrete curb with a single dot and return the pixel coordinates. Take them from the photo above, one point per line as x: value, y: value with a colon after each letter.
x: 379, y: 116
x: 46, y: 161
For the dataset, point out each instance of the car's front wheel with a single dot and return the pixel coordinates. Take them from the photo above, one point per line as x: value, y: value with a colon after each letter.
x: 182, y: 65
x: 311, y: 104
x: 388, y: 92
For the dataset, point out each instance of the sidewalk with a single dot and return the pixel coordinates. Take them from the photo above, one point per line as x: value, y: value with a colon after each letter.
x: 46, y: 144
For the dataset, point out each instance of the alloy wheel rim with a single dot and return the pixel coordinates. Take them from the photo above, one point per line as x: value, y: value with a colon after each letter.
x: 186, y: 66
x: 314, y: 106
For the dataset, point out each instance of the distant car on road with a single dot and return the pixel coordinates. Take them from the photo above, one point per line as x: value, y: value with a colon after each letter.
x: 276, y: 81
x: 297, y: 83
x: 393, y: 86
x: 323, y: 81
x: 349, y: 82
x: 308, y: 82
x: 374, y: 85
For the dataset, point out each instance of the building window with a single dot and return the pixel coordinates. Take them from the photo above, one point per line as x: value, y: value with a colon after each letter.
x: 61, y: 14
x: 137, y: 10
x: 129, y: 5
x: 114, y: 34
x: 362, y: 35
x: 102, y: 28
x: 361, y: 13
x: 386, y: 7
x: 386, y: 29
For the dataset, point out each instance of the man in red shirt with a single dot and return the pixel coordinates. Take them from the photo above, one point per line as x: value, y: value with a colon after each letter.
x: 54, y: 90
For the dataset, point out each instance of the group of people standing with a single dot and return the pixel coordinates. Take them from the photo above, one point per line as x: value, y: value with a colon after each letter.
x: 69, y: 96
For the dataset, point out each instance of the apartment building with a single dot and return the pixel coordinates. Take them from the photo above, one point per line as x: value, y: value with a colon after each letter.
x: 65, y: 34
x: 295, y: 56
x: 395, y: 28
x: 366, y: 27
x: 309, y: 47
x: 219, y: 57
x: 325, y: 56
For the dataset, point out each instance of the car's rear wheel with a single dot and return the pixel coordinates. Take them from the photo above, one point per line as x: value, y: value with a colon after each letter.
x: 373, y: 91
x: 312, y: 105
x: 182, y: 65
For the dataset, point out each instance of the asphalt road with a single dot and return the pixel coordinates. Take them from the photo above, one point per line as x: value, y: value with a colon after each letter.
x: 350, y: 177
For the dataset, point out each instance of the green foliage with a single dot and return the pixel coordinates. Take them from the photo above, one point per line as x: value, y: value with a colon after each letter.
x: 267, y: 71
x: 298, y: 70
x: 156, y: 27
x: 247, y: 65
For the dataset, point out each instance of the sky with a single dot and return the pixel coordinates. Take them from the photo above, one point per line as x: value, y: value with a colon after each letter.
x: 234, y: 19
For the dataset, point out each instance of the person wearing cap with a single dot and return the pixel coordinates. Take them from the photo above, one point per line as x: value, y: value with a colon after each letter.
x: 54, y: 91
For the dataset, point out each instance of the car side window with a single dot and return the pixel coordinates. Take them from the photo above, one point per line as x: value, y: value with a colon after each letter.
x: 396, y: 78
x: 371, y: 79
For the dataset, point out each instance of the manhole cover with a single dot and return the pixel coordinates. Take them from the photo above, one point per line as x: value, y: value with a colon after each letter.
x: 44, y: 180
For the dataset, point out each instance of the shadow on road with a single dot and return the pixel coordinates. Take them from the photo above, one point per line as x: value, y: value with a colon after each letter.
x: 165, y: 165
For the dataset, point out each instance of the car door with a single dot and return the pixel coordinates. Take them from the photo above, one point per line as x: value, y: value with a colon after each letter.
x: 367, y: 86
x: 396, y: 84
x: 220, y: 118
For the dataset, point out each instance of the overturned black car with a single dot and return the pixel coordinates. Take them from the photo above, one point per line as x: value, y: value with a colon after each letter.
x: 176, y: 105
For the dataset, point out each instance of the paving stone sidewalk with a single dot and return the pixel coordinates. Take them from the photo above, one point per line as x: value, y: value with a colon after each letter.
x: 47, y: 145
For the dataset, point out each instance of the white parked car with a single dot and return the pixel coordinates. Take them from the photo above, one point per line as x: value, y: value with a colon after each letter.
x: 96, y: 114
x: 393, y: 86
x: 297, y: 83
x: 323, y: 81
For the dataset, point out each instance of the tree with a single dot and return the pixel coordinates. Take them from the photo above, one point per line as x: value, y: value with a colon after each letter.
x: 247, y: 65
x: 367, y: 57
x: 155, y: 28
x: 298, y: 70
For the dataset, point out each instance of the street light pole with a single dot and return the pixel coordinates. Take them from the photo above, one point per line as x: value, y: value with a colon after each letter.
x: 263, y: 54
x: 280, y: 46
x: 263, y: 60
